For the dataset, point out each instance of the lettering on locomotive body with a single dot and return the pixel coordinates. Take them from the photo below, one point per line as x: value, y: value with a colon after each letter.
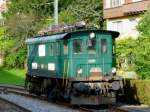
x: 34, y: 65
x: 91, y: 61
x: 51, y: 66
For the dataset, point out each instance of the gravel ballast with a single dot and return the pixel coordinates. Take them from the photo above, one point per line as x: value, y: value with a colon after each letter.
x: 35, y: 105
x: 7, y: 107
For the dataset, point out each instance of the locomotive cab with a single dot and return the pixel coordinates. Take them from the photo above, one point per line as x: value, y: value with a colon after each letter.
x: 91, y: 53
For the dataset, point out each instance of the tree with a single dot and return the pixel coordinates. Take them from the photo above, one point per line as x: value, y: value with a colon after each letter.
x: 90, y: 11
x: 23, y: 19
x: 144, y: 24
x: 142, y: 57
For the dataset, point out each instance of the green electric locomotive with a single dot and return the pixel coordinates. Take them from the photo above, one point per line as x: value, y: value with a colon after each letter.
x: 78, y: 66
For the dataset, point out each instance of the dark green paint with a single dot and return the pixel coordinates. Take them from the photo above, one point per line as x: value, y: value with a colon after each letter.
x: 67, y: 65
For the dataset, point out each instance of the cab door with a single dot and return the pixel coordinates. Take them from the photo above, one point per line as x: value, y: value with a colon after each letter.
x: 105, y: 54
x: 65, y: 58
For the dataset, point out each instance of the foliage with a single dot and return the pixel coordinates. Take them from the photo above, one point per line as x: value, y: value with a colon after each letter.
x: 142, y: 52
x: 125, y: 54
x: 144, y: 24
x: 23, y: 19
x: 67, y: 17
x: 133, y: 55
x: 142, y: 59
x: 5, y: 41
x: 90, y: 11
x: 17, y: 59
x: 137, y: 91
x: 14, y: 56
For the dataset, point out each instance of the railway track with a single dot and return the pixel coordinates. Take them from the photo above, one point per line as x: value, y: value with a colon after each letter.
x: 7, y: 89
x: 133, y: 108
x: 8, y: 106
x: 14, y: 107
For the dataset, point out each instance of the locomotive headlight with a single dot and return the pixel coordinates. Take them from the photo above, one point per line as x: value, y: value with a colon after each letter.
x: 114, y: 70
x: 92, y: 35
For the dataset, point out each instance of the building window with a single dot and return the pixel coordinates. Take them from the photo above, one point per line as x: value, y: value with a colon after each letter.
x: 77, y: 46
x: 133, y: 24
x: 41, y: 50
x: 51, y: 49
x: 91, y: 43
x: 136, y: 0
x: 118, y: 26
x: 103, y: 46
x: 115, y: 3
x: 65, y: 47
x: 57, y: 48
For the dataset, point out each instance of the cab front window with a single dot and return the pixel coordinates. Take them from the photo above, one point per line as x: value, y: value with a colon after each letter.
x: 77, y: 46
x: 65, y: 47
x: 51, y: 49
x: 104, y: 46
x: 91, y: 43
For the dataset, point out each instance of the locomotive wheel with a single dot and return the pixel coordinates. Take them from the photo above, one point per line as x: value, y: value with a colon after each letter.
x: 29, y: 87
x: 33, y: 88
x: 52, y: 94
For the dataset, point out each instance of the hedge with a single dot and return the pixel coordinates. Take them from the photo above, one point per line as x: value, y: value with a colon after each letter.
x: 136, y: 91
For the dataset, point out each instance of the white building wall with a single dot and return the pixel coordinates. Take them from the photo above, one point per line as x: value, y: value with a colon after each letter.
x: 125, y: 26
x: 136, y: 0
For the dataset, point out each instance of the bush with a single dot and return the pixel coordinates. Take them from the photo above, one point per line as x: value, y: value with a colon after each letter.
x: 137, y: 91
x: 15, y: 59
x: 125, y: 54
x: 133, y: 55
x: 142, y: 57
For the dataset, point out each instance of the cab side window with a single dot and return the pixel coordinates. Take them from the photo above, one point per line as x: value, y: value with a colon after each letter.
x: 57, y: 48
x: 51, y: 49
x: 77, y: 46
x: 65, y: 47
x: 91, y: 43
x: 104, y: 46
x: 41, y: 50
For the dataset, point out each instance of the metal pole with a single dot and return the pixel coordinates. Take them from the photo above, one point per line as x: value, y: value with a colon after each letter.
x: 56, y: 12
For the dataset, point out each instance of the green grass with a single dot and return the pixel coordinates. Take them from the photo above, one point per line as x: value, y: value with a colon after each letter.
x: 12, y: 77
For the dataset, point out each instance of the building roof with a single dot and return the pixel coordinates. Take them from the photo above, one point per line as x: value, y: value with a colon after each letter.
x: 128, y: 8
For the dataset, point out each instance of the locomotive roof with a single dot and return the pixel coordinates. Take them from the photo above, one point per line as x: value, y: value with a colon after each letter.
x: 58, y: 36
